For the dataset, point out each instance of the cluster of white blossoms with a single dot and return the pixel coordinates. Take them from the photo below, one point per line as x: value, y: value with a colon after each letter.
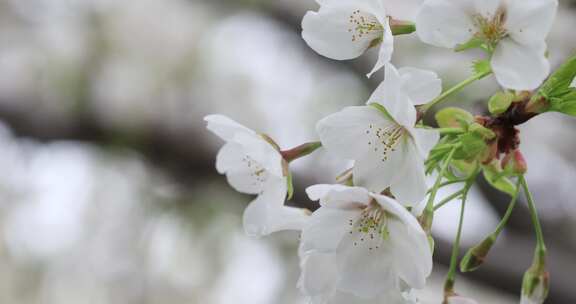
x: 369, y: 241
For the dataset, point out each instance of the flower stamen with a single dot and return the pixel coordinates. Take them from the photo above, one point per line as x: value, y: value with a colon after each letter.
x: 362, y: 25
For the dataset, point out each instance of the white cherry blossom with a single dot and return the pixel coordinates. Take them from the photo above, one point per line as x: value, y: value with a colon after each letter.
x: 318, y: 282
x: 253, y: 165
x: 387, y: 148
x: 363, y: 245
x: 515, y: 29
x: 344, y: 29
x: 457, y: 299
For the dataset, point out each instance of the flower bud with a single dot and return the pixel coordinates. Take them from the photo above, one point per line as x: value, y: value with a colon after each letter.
x: 401, y: 27
x: 535, y: 286
x: 476, y: 255
x: 514, y: 163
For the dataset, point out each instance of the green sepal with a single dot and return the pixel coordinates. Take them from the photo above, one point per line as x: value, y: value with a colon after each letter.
x: 451, y: 117
x: 500, y: 102
x: 473, y: 43
x: 497, y: 179
x: 482, y: 67
x: 290, y: 184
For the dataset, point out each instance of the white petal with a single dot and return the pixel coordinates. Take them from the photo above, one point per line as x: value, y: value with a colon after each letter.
x: 530, y: 21
x: 376, y: 174
x: 391, y: 96
x: 398, y: 210
x: 225, y: 127
x: 326, y: 228
x: 425, y: 140
x: 243, y: 174
x: 421, y: 86
x: 389, y: 296
x: 409, y: 244
x: 520, y: 67
x: 412, y: 255
x: 461, y: 300
x: 573, y: 84
x: 229, y: 157
x: 445, y: 23
x: 409, y: 184
x: 267, y: 213
x: 386, y: 49
x: 344, y: 133
x: 319, y: 274
x: 339, y: 196
x: 364, y: 267
x: 487, y: 8
x: 262, y: 152
x: 331, y: 33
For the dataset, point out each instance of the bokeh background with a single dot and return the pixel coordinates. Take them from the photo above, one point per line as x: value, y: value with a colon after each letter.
x: 108, y: 188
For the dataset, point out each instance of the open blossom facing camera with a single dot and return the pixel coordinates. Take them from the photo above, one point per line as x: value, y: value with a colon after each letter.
x: 514, y: 30
x: 377, y: 248
x: 344, y: 29
x: 387, y: 148
x: 253, y: 165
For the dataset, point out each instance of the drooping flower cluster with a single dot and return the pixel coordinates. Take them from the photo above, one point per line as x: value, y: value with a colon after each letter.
x: 369, y: 242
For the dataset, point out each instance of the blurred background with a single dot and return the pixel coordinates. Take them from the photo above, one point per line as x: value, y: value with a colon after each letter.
x: 108, y: 188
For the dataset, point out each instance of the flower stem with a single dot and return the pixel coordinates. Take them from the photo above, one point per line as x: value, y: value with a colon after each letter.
x: 508, y: 213
x: 428, y: 214
x: 300, y: 151
x: 448, y: 199
x: 453, y: 90
x: 450, y: 278
x: 540, y: 246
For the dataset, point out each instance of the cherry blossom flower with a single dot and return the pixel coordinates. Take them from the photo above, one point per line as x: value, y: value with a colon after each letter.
x: 253, y: 165
x: 318, y: 282
x: 457, y: 299
x: 515, y: 30
x: 362, y: 245
x: 387, y: 148
x: 344, y: 29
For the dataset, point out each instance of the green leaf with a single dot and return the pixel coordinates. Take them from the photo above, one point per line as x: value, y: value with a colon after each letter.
x: 557, y: 91
x: 494, y: 176
x: 482, y: 131
x: 464, y: 169
x: 558, y: 84
x: 472, y: 146
x: 473, y: 43
x: 481, y: 67
x: 453, y: 118
x: 500, y: 102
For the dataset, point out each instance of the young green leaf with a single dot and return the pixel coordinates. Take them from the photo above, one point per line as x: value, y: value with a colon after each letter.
x: 453, y: 118
x: 500, y: 102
